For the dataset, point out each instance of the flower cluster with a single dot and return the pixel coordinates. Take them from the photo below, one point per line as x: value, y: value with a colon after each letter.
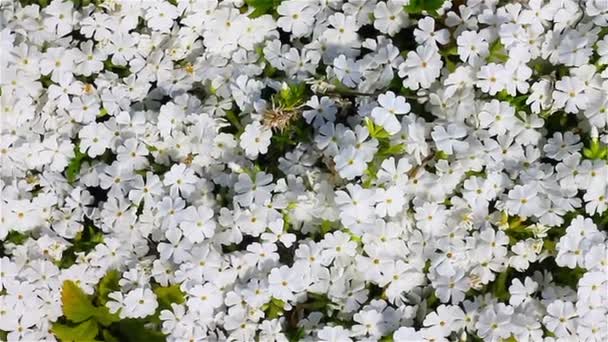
x: 304, y: 170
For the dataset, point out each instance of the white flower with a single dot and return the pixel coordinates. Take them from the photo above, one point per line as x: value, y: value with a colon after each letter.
x: 421, y: 67
x: 569, y: 93
x: 139, y: 303
x: 472, y: 47
x: 347, y: 71
x: 390, y: 201
x: 255, y: 139
x: 160, y: 16
x: 297, y: 17
x: 95, y: 138
x: 521, y: 292
x: 385, y: 115
x: 198, y: 224
x: 426, y: 34
x: 389, y: 17
x: 491, y: 78
x: 447, y: 140
x: 181, y: 179
x: 560, y: 318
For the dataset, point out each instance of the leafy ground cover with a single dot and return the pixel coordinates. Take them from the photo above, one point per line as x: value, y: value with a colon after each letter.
x: 304, y: 170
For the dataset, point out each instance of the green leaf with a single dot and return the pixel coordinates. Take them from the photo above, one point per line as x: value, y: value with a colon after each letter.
x: 77, y: 306
x: 295, y: 334
x: 73, y: 170
x: 328, y: 226
x: 16, y: 237
x: 235, y: 121
x: 391, y: 150
x: 292, y: 96
x: 108, y: 337
x: 85, y: 331
x: 387, y: 338
x: 107, y: 284
x: 420, y: 6
x: 135, y: 330
x: 567, y: 276
x: 497, y: 53
x: 432, y: 301
x: 262, y: 7
x: 274, y: 308
x: 169, y: 295
x: 85, y: 241
x: 353, y: 237
x: 500, y: 287
x: 104, y: 317
x: 376, y: 131
x: 120, y: 70
x: 595, y: 150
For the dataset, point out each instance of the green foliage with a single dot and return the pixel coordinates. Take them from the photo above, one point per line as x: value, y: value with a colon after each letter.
x: 283, y: 141
x: 497, y: 53
x: 596, y: 150
x: 376, y: 131
x: 16, y: 238
x: 120, y: 70
x: 500, y: 287
x: 353, y: 236
x: 387, y: 338
x: 432, y: 301
x: 46, y: 81
x: 169, y: 295
x: 85, y: 331
x: 13, y: 237
x: 107, y: 336
x: 518, y: 102
x: 84, y: 241
x: 566, y: 276
x: 107, y: 285
x: 77, y: 306
x: 262, y: 7
x: 327, y: 227
x: 274, y: 308
x: 473, y: 338
x: 517, y: 229
x: 385, y: 150
x: 421, y: 6
x: 235, y: 121
x: 104, y: 317
x: 558, y: 122
x: 295, y: 334
x: 73, y: 169
x: 136, y: 330
x: 316, y: 302
x: 41, y: 3
x: 84, y: 320
x: 103, y: 112
x: 292, y: 96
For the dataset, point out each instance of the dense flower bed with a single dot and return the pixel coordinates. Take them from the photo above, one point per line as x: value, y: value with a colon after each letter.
x: 304, y: 170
